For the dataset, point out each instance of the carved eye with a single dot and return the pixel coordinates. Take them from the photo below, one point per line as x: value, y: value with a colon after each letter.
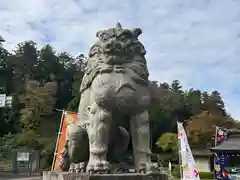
x: 104, y: 37
x: 124, y: 37
x: 139, y: 49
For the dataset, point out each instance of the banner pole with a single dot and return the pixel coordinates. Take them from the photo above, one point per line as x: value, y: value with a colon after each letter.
x: 179, y: 152
x: 214, y: 156
x: 56, y: 147
x: 215, y: 138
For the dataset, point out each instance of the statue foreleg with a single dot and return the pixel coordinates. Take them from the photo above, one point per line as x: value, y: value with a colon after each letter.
x: 98, y: 133
x: 141, y: 141
x: 77, y: 147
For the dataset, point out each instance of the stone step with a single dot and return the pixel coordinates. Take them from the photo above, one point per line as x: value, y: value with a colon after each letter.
x: 85, y: 176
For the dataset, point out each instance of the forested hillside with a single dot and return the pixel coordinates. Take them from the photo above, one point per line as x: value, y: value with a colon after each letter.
x: 42, y: 80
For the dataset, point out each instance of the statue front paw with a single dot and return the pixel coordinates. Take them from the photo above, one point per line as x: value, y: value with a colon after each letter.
x: 77, y: 167
x: 97, y: 165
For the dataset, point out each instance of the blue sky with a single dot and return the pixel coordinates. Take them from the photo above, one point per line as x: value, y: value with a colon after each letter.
x: 194, y: 41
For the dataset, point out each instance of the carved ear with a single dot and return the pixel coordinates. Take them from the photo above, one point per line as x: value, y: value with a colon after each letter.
x: 98, y: 34
x: 118, y: 26
x: 136, y: 32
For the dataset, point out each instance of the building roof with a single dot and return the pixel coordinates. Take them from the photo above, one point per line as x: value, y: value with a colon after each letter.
x: 201, y: 152
x: 232, y: 144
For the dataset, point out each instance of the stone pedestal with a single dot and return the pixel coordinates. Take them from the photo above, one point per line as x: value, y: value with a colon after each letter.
x: 83, y: 176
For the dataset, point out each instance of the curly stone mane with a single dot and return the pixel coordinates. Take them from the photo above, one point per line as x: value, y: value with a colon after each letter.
x: 117, y: 50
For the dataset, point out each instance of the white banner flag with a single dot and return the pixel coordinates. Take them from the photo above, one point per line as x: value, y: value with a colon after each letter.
x: 188, y: 164
x: 2, y: 100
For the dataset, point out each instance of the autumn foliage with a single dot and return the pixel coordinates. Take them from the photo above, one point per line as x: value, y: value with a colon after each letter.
x: 42, y: 80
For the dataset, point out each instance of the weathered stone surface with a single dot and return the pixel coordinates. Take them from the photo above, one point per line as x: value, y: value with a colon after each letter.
x: 85, y: 176
x: 114, y: 86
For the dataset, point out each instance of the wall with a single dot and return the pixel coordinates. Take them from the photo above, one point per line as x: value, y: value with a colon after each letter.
x: 203, y: 164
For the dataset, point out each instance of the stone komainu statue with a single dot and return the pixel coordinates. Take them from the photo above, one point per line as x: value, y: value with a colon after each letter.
x: 115, y: 86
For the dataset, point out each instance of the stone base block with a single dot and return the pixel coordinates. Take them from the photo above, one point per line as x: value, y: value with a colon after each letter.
x: 83, y: 176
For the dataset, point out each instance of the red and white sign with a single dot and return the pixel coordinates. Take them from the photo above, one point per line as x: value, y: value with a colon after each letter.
x: 189, y: 169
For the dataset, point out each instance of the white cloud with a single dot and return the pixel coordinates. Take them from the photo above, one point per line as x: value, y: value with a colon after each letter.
x: 196, y: 42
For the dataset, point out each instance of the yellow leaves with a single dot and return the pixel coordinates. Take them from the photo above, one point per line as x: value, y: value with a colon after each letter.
x: 168, y: 142
x: 201, y: 128
x: 39, y: 101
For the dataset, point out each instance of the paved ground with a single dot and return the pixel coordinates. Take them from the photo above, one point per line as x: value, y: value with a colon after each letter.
x: 24, y: 178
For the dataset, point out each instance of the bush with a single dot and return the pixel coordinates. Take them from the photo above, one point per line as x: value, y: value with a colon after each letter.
x: 206, y: 175
x: 165, y: 157
x: 47, y: 152
x: 28, y: 140
x: 176, y: 171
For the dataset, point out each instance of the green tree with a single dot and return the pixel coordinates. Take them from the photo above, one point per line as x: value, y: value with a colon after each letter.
x: 39, y: 101
x: 168, y: 143
x: 193, y: 100
x: 41, y: 80
x: 78, y: 67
